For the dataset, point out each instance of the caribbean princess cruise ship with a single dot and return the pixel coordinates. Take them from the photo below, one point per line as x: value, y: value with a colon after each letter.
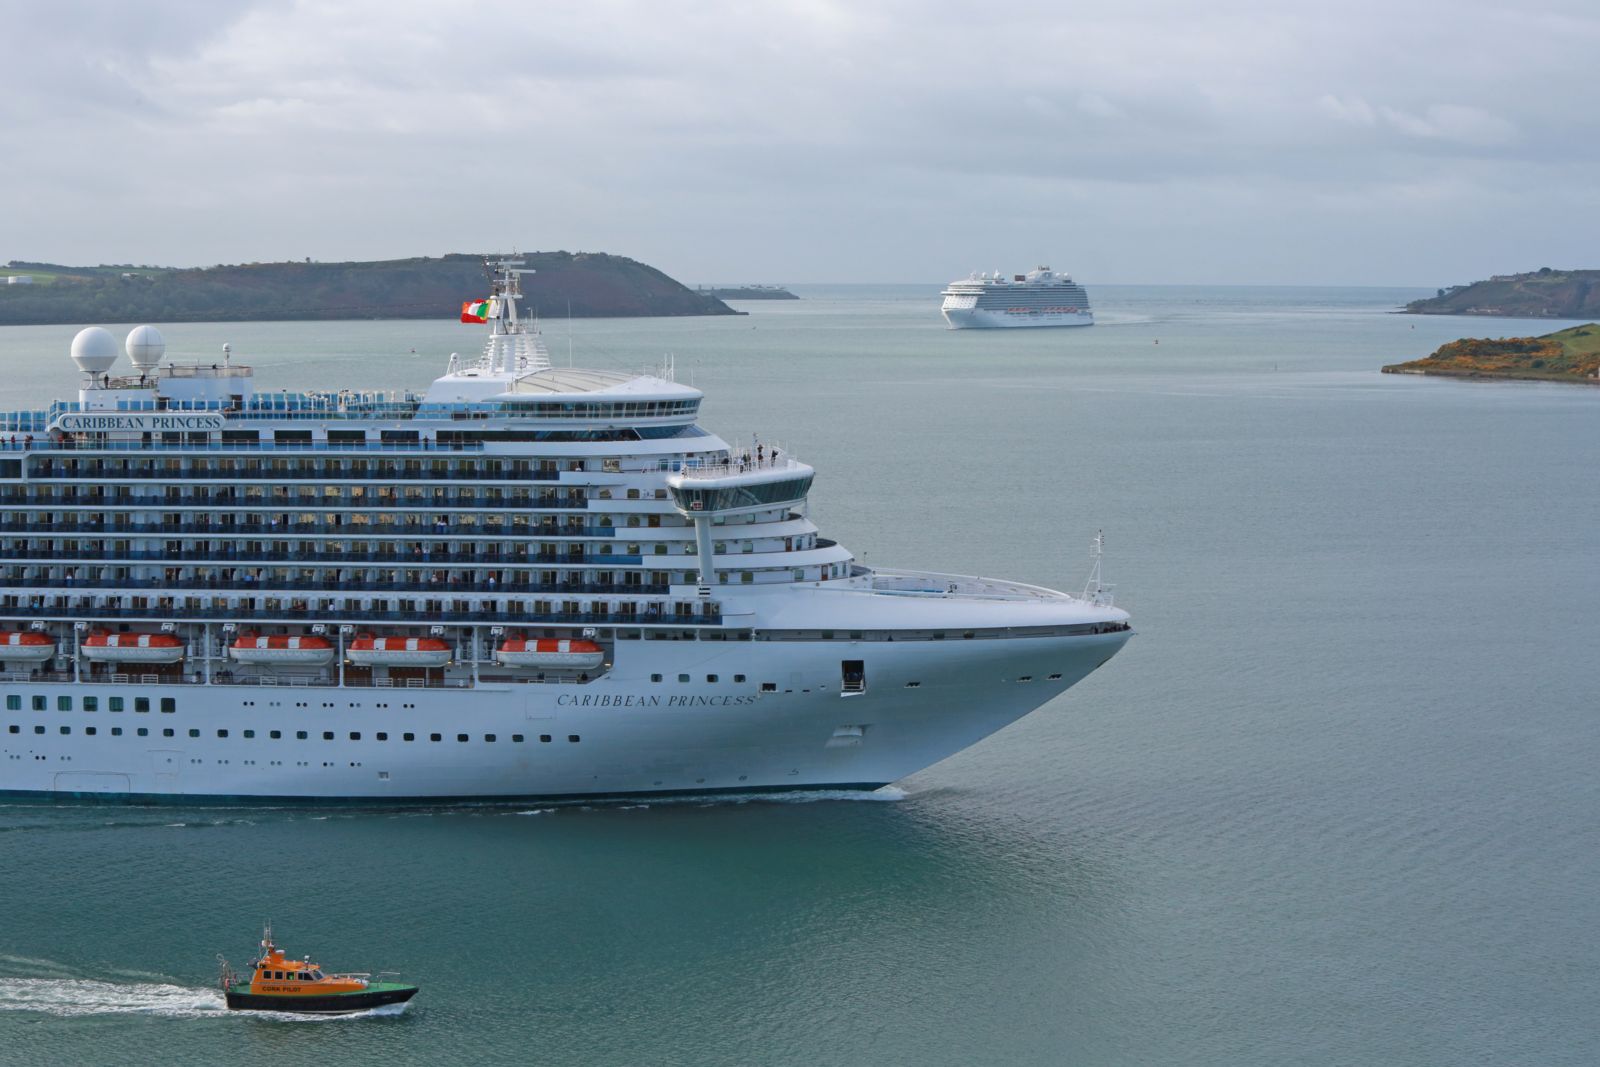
x: 1038, y: 298
x: 526, y: 581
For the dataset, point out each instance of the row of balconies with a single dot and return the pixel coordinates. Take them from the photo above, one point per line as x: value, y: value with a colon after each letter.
x: 236, y: 501
x: 430, y: 584
x: 710, y: 614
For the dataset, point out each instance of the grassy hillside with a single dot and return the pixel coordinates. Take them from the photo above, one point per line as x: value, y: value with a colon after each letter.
x: 1547, y: 293
x: 1570, y: 355
x: 590, y: 284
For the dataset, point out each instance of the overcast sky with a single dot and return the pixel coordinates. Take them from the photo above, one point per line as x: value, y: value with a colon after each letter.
x: 1420, y: 143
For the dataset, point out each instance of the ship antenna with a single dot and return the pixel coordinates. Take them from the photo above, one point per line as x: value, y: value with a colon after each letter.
x: 1095, y: 590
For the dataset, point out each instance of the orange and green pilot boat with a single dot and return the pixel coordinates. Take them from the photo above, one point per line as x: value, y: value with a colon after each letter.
x: 277, y: 983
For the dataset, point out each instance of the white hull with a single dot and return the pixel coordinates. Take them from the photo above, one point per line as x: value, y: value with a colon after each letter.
x: 26, y: 653
x: 619, y: 735
x: 984, y: 319
x: 133, y: 655
x: 570, y: 660
x: 283, y: 657
x: 398, y: 657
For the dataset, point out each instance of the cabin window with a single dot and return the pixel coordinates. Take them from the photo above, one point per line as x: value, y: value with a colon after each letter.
x: 683, y: 678
x: 249, y: 733
x: 90, y: 730
x: 355, y: 735
x: 144, y: 731
x: 488, y: 737
x: 299, y: 735
x: 63, y: 703
x: 327, y: 735
x: 408, y: 737
x: 66, y: 729
x: 168, y: 732
x: 517, y: 738
x: 769, y: 687
x: 545, y: 738
x: 14, y: 702
x: 14, y: 728
x: 304, y: 976
x: 141, y: 703
x: 192, y: 733
x: 169, y: 704
x: 653, y: 678
x: 115, y: 703
x: 220, y: 733
x: 711, y: 678
x: 116, y: 731
x: 738, y: 678
x: 574, y: 738
x: 435, y: 737
x: 38, y: 729
x: 461, y: 737
x: 91, y: 703
x: 39, y: 703
x: 276, y: 735
x: 382, y: 736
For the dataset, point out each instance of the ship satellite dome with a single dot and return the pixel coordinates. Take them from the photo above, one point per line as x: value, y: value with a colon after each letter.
x: 94, y: 350
x: 145, y: 346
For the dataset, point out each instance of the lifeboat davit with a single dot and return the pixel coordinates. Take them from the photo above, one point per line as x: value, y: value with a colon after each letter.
x: 275, y: 649
x: 133, y: 648
x: 369, y: 651
x: 550, y: 652
x: 26, y: 646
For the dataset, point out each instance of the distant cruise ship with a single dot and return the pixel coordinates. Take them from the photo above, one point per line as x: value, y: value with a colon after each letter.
x: 1039, y: 298
x: 524, y: 581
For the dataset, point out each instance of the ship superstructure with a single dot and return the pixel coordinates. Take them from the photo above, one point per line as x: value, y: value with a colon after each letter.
x: 525, y: 581
x: 1040, y: 297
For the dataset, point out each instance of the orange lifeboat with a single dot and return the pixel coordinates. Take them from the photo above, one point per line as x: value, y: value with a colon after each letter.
x: 369, y: 651
x: 133, y: 648
x: 27, y: 645
x: 280, y: 649
x: 550, y: 652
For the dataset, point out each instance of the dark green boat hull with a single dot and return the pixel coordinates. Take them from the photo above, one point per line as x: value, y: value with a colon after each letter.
x: 375, y: 995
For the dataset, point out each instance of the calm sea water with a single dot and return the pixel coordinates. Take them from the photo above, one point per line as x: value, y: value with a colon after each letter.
x: 1337, y: 803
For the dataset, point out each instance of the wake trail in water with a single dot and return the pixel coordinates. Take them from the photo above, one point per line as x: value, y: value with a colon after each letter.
x: 69, y: 997
x: 87, y: 996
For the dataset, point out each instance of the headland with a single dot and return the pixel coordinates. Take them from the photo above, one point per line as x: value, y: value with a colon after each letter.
x: 1570, y: 355
x: 1540, y: 294
x: 579, y: 284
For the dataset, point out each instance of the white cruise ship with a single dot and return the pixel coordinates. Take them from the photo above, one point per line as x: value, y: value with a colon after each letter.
x: 525, y: 582
x: 1040, y: 297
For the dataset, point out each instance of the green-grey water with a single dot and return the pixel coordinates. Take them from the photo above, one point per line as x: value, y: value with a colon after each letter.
x: 1336, y: 802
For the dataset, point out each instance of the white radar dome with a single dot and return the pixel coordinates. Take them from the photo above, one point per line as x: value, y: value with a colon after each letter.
x: 94, y: 350
x: 145, y: 346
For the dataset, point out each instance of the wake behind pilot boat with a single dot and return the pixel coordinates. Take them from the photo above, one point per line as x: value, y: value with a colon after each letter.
x: 278, y: 983
x: 524, y: 581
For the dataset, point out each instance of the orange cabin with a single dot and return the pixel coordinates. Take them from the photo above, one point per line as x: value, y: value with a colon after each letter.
x: 277, y: 975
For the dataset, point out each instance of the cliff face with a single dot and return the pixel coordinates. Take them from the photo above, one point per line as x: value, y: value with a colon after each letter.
x: 589, y: 284
x: 1549, y: 294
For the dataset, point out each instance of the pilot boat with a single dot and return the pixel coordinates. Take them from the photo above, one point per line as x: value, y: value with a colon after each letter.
x: 278, y: 983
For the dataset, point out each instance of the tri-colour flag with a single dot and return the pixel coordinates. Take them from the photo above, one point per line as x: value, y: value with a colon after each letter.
x: 475, y: 311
